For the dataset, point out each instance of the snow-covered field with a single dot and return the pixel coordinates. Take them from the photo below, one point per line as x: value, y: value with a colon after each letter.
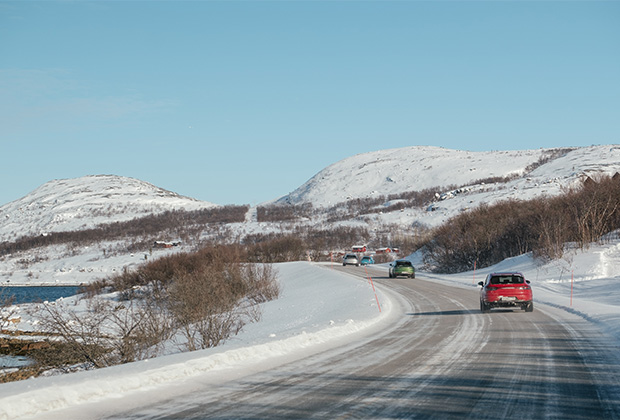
x: 320, y: 308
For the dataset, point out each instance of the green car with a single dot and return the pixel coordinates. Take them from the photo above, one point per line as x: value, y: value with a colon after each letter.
x: 402, y: 268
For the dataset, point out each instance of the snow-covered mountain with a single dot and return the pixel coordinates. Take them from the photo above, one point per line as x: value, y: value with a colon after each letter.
x: 418, y: 168
x: 532, y: 173
x: 81, y: 203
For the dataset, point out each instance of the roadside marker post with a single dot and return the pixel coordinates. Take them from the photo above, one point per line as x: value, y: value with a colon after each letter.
x: 373, y: 287
x: 474, y: 279
x: 572, y: 280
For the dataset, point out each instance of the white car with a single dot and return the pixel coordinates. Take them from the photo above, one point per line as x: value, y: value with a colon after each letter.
x: 351, y: 259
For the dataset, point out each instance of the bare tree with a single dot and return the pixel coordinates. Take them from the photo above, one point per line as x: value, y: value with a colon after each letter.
x: 7, y: 311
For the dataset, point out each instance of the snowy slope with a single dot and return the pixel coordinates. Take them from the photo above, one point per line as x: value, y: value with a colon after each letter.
x: 421, y: 167
x: 533, y: 174
x: 81, y: 203
x: 406, y: 169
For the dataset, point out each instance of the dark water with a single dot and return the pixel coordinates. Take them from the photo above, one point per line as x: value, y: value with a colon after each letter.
x: 36, y: 293
x: 26, y: 295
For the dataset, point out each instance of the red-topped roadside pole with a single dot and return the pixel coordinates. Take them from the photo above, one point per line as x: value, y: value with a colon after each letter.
x: 373, y: 287
x: 474, y: 279
x: 572, y: 280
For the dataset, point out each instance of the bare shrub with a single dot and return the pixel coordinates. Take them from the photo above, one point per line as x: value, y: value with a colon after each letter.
x: 106, y: 333
x: 7, y: 310
x: 94, y: 288
x: 205, y: 307
x: 283, y: 212
x: 548, y: 156
x: 489, y: 234
x: 208, y: 295
x: 200, y: 298
x: 278, y: 248
x: 144, y: 230
x: 260, y: 282
x: 83, y: 333
x: 357, y: 207
x: 553, y: 227
x: 597, y: 208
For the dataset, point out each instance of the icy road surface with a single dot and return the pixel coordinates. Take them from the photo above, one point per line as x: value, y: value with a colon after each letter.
x: 439, y: 358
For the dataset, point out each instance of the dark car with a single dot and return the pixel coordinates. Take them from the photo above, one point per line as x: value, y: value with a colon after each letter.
x: 506, y: 290
x: 401, y: 268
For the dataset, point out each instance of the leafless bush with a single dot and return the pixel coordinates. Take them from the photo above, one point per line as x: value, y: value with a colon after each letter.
x: 547, y: 157
x: 260, y: 284
x: 496, y: 179
x: 597, y: 208
x: 209, y: 295
x: 489, y: 234
x: 107, y: 332
x: 205, y: 307
x: 277, y: 249
x: 7, y: 310
x: 94, y: 288
x: 200, y: 298
x: 357, y: 207
x: 143, y: 231
x: 283, y: 212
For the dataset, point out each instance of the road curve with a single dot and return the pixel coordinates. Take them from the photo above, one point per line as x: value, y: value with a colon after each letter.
x: 443, y: 359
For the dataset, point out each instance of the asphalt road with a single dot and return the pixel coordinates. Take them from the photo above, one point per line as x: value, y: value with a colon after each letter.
x: 443, y: 359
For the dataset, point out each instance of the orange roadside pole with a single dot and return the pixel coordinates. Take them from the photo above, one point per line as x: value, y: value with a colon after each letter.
x: 373, y: 287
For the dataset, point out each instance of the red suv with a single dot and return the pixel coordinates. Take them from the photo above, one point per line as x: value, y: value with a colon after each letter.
x: 505, y: 290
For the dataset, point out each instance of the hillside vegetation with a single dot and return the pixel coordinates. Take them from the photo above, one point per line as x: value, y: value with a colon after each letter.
x: 487, y: 235
x: 139, y: 233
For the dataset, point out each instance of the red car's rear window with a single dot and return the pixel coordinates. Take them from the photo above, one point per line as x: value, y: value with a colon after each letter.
x: 499, y: 280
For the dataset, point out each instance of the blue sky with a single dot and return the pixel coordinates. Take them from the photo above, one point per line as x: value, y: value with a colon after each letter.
x: 239, y: 102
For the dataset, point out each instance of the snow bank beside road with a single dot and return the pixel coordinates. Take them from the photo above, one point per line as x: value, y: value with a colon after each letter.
x: 318, y: 309
x: 586, y: 284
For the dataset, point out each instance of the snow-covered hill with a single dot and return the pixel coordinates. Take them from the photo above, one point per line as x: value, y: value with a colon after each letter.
x: 418, y: 168
x: 81, y: 203
x: 533, y: 173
